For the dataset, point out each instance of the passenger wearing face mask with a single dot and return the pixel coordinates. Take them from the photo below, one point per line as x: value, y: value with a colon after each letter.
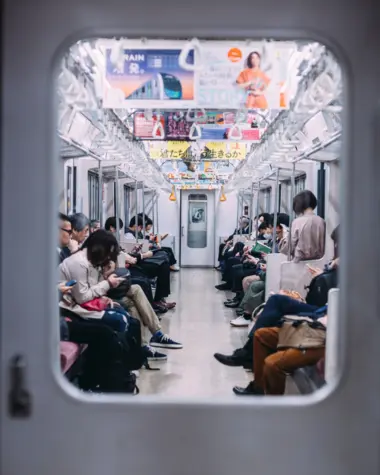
x: 263, y: 232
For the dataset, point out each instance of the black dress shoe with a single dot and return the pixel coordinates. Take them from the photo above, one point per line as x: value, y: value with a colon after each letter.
x: 230, y: 360
x: 223, y: 287
x: 250, y: 390
x: 159, y: 309
x: 234, y: 304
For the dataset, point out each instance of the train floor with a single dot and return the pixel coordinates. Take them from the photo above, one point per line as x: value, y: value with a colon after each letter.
x: 201, y: 323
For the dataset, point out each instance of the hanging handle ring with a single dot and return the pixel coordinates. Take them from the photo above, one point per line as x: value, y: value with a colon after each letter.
x: 182, y: 59
x: 195, y: 117
x: 158, y: 131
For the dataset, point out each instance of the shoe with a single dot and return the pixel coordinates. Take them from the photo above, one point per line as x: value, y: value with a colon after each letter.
x: 234, y: 304
x: 168, y: 305
x: 174, y: 268
x: 153, y: 355
x: 240, y: 322
x: 136, y: 372
x: 235, y: 299
x: 224, y: 286
x: 159, y: 309
x: 160, y: 340
x: 229, y: 360
x: 218, y: 268
x: 250, y: 390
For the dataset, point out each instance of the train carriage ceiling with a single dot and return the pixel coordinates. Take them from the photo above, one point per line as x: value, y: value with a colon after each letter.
x: 199, y: 114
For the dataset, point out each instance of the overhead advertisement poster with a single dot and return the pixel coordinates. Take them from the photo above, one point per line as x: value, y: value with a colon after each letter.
x: 169, y: 150
x: 144, y: 127
x: 226, y: 75
x: 149, y: 78
x: 210, y: 150
x: 214, y: 126
x: 206, y: 175
x: 251, y: 77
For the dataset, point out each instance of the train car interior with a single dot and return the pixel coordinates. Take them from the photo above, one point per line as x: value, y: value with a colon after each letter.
x: 189, y: 264
x: 199, y: 151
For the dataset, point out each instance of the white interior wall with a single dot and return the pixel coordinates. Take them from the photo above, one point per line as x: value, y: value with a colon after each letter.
x: 225, y: 218
x: 168, y: 217
x: 83, y: 166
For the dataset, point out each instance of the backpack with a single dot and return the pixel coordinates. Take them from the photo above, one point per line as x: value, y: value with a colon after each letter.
x: 318, y: 289
x: 130, y: 344
x: 118, y: 380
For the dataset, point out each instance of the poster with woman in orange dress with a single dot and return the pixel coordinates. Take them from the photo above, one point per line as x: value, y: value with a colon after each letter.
x: 255, y: 82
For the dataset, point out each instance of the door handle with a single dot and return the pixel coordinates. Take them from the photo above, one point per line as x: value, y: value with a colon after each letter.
x: 182, y: 231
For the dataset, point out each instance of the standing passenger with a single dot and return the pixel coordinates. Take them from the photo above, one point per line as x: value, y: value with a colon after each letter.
x: 307, y: 231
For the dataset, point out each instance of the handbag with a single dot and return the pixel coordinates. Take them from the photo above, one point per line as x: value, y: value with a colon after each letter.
x: 99, y: 304
x: 301, y: 332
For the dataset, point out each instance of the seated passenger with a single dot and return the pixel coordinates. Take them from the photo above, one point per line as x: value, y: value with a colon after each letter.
x: 264, y: 218
x: 279, y: 235
x: 243, y: 228
x: 94, y: 225
x: 263, y: 232
x: 65, y: 242
x: 134, y: 229
x: 155, y: 246
x: 307, y: 231
x: 80, y: 228
x: 254, y: 296
x: 271, y: 366
x: 148, y: 265
x: 246, y: 262
x: 103, y: 368
x: 89, y: 267
x: 282, y: 218
x: 281, y: 304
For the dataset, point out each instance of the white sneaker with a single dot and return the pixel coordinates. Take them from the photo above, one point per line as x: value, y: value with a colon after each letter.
x: 240, y: 322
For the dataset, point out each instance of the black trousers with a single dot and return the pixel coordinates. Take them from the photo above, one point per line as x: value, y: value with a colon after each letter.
x: 220, y: 255
x: 170, y: 254
x: 227, y: 274
x: 102, y: 358
x: 238, y: 273
x: 152, y: 270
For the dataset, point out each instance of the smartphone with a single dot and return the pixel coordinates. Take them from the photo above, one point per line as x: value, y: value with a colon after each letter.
x: 70, y: 283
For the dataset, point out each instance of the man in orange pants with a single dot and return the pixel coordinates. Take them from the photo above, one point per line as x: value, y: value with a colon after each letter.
x: 272, y: 366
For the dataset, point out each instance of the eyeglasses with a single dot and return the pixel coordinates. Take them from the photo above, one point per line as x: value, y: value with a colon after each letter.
x: 68, y: 231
